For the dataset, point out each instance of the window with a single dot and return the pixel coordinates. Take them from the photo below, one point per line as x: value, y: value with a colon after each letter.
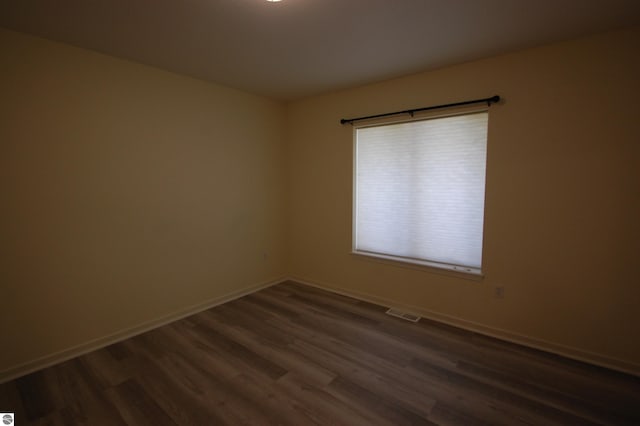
x: 419, y: 191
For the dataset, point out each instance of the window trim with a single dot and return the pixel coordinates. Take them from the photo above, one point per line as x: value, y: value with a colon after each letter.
x: 402, y: 261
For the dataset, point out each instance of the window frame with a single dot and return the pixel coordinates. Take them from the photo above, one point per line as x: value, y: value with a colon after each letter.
x: 404, y: 261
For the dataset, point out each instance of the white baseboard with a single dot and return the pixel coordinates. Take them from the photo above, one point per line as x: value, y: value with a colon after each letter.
x: 83, y: 348
x: 532, y: 342
x: 100, y: 342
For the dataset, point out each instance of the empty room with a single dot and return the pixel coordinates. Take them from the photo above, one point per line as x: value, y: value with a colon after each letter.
x: 319, y: 212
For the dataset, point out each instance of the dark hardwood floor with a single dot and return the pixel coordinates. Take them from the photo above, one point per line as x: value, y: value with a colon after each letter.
x: 297, y: 355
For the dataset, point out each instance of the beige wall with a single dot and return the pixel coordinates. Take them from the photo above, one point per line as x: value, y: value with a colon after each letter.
x: 127, y: 194
x: 562, y: 199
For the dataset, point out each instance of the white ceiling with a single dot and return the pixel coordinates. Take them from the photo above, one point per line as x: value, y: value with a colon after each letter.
x: 297, y: 48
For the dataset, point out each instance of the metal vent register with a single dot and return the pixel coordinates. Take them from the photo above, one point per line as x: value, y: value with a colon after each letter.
x: 403, y: 315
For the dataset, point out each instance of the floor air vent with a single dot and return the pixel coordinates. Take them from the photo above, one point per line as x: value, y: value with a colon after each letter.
x: 403, y: 315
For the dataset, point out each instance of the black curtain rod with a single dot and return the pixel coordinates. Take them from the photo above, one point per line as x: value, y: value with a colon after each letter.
x: 489, y: 101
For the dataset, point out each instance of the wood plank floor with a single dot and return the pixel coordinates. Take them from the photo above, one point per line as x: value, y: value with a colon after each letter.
x: 297, y: 355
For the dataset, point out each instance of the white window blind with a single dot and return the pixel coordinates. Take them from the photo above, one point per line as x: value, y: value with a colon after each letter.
x: 419, y: 191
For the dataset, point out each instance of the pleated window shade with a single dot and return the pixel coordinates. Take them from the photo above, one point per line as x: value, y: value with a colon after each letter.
x: 419, y: 191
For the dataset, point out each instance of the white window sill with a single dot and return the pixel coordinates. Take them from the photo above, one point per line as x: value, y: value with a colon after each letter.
x: 421, y: 265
